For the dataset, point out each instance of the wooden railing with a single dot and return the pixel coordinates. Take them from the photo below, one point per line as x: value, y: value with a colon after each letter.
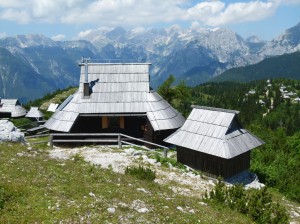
x: 118, y: 138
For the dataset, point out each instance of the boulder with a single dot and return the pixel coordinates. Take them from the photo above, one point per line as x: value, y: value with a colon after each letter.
x: 8, y: 132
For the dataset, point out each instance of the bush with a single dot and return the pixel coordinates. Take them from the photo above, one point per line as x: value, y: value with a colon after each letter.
x: 257, y: 204
x: 141, y: 173
x: 165, y: 161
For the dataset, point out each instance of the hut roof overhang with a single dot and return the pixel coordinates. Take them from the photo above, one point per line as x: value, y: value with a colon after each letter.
x: 13, y: 107
x: 215, y: 132
x: 116, y: 88
x: 34, y: 112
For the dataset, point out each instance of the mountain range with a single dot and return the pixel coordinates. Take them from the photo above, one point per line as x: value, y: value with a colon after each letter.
x: 32, y: 65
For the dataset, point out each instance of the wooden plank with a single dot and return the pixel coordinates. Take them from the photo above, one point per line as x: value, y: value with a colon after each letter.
x: 140, y: 140
x: 36, y: 136
x: 39, y: 142
x: 85, y: 140
x: 84, y: 134
x: 129, y: 143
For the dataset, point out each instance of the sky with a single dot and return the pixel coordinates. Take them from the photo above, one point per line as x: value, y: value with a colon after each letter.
x: 71, y: 19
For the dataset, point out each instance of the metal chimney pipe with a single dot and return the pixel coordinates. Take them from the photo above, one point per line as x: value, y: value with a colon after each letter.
x: 86, y: 71
x: 86, y: 86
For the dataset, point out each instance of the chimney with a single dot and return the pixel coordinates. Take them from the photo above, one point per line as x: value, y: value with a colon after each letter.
x: 86, y: 86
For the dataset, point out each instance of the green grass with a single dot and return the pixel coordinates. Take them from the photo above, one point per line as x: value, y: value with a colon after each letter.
x: 58, y: 98
x: 37, y: 189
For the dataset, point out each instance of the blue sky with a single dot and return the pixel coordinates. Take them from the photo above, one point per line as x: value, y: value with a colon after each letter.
x: 72, y: 19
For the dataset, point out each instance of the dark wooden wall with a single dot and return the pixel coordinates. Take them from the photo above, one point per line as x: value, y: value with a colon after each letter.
x: 5, y: 115
x: 216, y: 166
x: 139, y: 127
x: 132, y: 126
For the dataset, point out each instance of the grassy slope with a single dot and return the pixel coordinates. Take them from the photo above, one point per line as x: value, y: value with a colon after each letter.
x: 58, y: 98
x: 39, y: 189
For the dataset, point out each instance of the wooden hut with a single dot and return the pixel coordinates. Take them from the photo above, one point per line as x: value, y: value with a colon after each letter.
x: 35, y: 113
x: 116, y: 98
x: 212, y: 140
x: 11, y: 108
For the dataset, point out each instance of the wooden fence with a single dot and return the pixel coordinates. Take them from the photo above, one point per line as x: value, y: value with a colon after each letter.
x: 118, y: 138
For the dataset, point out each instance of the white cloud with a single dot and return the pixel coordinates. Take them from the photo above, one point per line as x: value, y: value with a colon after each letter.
x: 58, y: 37
x: 136, y: 13
x: 243, y: 12
x: 84, y: 34
x: 12, y: 3
x: 19, y: 16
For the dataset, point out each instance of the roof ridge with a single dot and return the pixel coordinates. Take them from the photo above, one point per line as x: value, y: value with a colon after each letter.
x: 215, y: 109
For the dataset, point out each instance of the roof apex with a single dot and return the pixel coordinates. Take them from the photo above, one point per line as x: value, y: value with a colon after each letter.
x: 215, y: 109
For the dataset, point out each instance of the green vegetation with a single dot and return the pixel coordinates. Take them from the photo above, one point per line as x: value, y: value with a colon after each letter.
x: 167, y: 161
x: 277, y: 122
x: 141, y: 173
x: 37, y: 189
x: 57, y: 96
x: 257, y: 204
x: 286, y: 65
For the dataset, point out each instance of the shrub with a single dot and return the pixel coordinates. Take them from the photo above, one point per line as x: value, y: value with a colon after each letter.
x: 141, y: 173
x: 257, y: 204
x: 165, y: 161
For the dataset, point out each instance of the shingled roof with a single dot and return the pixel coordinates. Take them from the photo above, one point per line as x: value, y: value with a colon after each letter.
x: 214, y: 131
x: 116, y: 88
x: 13, y: 107
x: 34, y: 112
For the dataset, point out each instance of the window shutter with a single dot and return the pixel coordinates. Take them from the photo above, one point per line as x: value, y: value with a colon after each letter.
x: 104, y: 122
x: 122, y: 122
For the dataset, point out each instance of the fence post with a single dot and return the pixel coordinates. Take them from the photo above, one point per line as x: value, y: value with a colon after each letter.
x: 119, y: 141
x: 165, y: 153
x: 51, y: 141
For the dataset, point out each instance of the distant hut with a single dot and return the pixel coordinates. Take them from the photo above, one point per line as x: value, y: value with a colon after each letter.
x: 11, y: 108
x: 116, y: 98
x: 35, y: 113
x: 212, y: 140
x: 297, y: 100
x: 52, y: 107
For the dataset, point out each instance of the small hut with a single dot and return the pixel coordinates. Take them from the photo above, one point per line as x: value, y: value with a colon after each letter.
x: 35, y: 113
x: 116, y: 98
x: 11, y: 108
x: 212, y: 140
x: 52, y: 107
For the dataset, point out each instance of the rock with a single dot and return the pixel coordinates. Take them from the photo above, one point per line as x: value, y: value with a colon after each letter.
x: 111, y: 210
x: 192, y: 211
x: 137, y: 153
x: 180, y: 208
x: 143, y: 210
x: 151, y: 161
x: 8, y: 132
x: 129, y: 151
x: 92, y: 194
x: 202, y: 203
x: 142, y: 190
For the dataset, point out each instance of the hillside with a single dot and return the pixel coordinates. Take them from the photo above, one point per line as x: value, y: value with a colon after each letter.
x: 284, y: 66
x: 39, y: 185
x: 268, y: 109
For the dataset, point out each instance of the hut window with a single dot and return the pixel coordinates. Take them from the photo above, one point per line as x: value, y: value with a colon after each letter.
x: 122, y: 122
x: 104, y: 122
